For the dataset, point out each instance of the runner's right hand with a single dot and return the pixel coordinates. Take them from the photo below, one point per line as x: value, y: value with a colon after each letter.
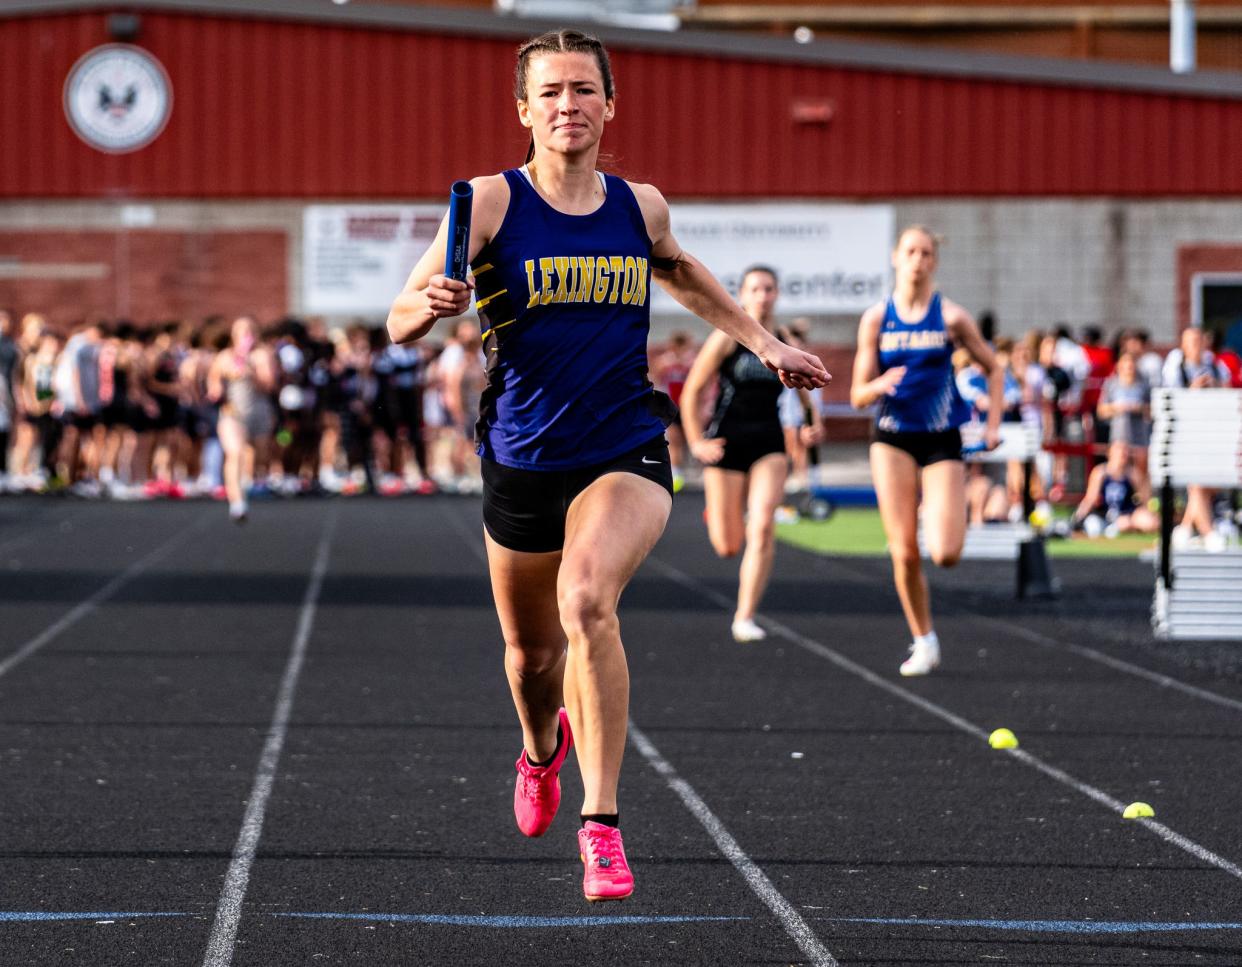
x: 889, y: 380
x: 448, y: 297
x: 709, y: 450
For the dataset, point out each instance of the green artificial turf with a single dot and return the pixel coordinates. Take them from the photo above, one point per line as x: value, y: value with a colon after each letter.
x: 858, y: 531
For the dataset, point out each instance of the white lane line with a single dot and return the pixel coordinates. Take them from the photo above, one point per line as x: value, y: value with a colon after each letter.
x: 823, y: 651
x: 1118, y: 664
x: 80, y: 611
x: 755, y: 878
x: 228, y: 910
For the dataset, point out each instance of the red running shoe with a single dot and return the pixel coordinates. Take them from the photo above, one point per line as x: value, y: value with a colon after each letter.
x: 537, y: 792
x: 606, y: 874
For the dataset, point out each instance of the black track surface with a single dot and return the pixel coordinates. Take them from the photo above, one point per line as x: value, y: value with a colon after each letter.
x: 130, y: 740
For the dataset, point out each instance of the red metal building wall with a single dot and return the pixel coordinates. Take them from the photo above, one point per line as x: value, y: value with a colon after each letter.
x: 285, y: 109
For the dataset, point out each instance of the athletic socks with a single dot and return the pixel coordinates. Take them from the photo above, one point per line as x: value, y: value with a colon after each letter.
x: 560, y: 738
x: 928, y: 640
x: 604, y: 819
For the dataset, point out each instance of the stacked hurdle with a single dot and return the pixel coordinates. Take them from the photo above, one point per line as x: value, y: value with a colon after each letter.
x: 1001, y: 542
x: 1196, y: 440
x: 1017, y: 542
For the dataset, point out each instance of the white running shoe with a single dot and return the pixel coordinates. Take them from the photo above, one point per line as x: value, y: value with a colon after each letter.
x: 745, y: 630
x: 924, y: 659
x: 238, y: 511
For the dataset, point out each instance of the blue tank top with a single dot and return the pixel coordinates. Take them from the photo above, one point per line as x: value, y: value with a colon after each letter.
x: 1117, y: 496
x: 564, y: 306
x: 926, y: 400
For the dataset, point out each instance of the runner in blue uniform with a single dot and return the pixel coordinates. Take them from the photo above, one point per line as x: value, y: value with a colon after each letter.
x: 577, y: 485
x: 904, y: 364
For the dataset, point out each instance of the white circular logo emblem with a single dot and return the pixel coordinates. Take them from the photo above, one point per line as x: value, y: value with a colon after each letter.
x: 118, y: 98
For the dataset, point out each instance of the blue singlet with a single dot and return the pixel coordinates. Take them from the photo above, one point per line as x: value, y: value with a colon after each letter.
x: 564, y: 302
x: 926, y: 400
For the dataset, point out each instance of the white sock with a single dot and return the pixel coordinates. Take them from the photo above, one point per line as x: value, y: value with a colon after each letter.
x: 928, y: 640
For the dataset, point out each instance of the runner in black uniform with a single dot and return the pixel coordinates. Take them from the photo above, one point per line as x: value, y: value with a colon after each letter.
x: 400, y: 377
x: 742, y: 449
x: 296, y: 400
x: 115, y: 413
x: 350, y: 394
x: 164, y: 385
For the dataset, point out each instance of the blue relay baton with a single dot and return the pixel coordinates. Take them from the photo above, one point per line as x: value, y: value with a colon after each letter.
x: 461, y: 200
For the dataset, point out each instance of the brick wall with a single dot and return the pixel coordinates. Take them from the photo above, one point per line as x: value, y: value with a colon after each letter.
x: 144, y: 275
x: 1193, y: 259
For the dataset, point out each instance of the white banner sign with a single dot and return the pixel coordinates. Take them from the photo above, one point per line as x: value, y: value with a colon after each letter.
x: 830, y: 258
x: 356, y: 258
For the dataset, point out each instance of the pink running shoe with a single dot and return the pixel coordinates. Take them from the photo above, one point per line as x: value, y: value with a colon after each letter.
x: 606, y: 875
x: 537, y: 793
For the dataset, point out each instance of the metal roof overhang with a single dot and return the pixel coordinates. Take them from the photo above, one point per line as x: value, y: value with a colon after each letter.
x: 828, y: 53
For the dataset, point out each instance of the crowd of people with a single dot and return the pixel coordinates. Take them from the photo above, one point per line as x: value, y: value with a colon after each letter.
x: 1092, y: 400
x: 136, y: 412
x: 178, y: 409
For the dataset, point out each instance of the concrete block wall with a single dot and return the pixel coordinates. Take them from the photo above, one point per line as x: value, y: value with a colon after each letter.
x: 1034, y: 262
x: 1101, y: 262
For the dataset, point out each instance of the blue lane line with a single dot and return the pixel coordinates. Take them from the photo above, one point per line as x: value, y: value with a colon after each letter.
x: 28, y: 916
x: 509, y: 922
x: 528, y: 923
x: 1046, y: 926
x: 449, y: 919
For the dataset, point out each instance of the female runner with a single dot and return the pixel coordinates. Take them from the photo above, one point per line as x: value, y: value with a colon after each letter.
x: 904, y: 363
x: 742, y: 449
x: 242, y: 379
x: 571, y: 433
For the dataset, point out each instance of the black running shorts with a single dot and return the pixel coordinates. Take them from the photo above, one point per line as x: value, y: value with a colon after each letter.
x: 524, y: 510
x: 742, y: 450
x: 925, y: 448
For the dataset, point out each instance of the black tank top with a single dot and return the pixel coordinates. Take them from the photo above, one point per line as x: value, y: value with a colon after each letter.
x: 120, y: 386
x: 748, y: 395
x: 166, y: 372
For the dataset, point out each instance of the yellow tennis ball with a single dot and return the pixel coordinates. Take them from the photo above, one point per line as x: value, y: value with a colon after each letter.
x: 1138, y: 810
x: 1003, y: 739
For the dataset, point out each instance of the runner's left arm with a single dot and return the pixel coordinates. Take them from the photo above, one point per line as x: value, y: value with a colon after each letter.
x: 688, y: 281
